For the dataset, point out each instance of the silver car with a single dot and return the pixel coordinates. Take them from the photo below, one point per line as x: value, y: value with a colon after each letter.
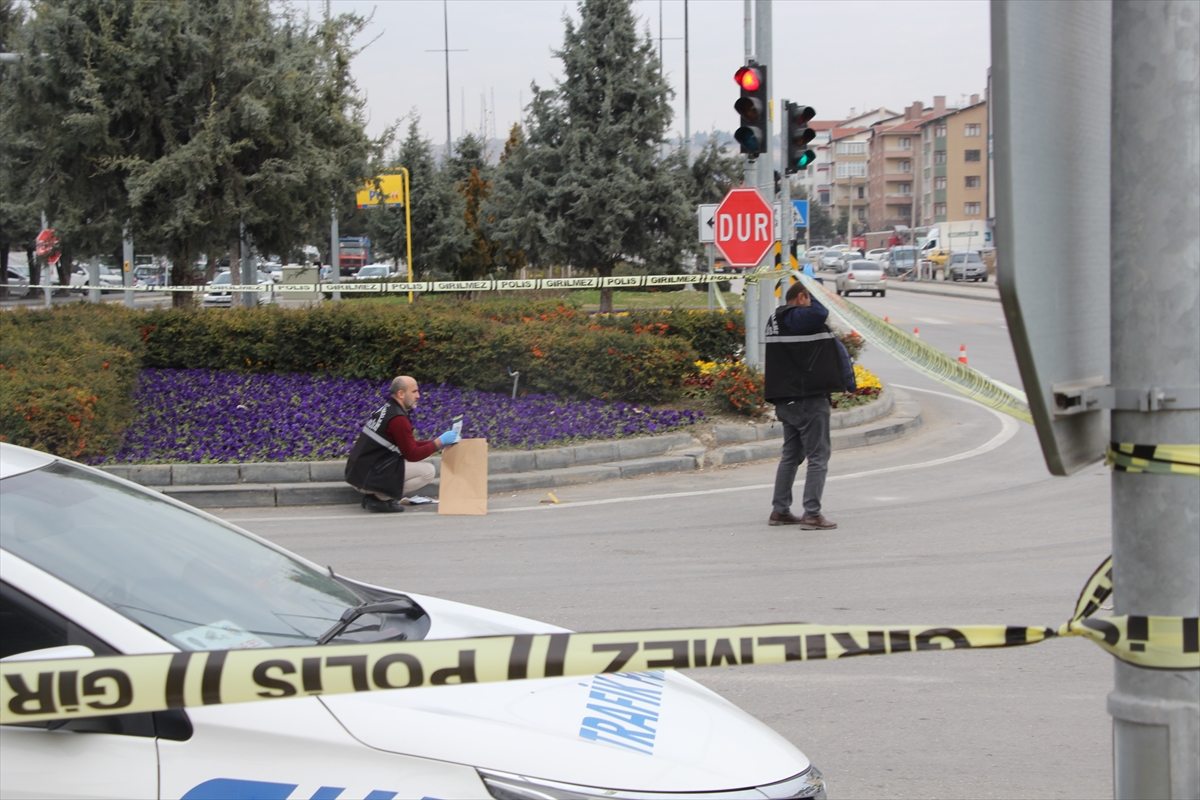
x: 215, y: 298
x: 861, y: 276
x: 831, y: 257
x: 965, y: 267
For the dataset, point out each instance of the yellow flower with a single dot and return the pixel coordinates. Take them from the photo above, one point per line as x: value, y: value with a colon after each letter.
x: 865, y: 378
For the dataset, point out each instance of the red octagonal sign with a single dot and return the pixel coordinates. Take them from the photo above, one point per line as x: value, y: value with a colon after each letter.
x: 745, y: 230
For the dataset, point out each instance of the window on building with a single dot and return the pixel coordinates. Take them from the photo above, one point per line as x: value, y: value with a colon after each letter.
x: 904, y: 166
x: 851, y: 169
x: 971, y: 155
x: 939, y: 182
x: 905, y: 143
x: 904, y: 188
x: 824, y: 198
x: 972, y: 182
x: 970, y: 208
x: 861, y: 212
x: 939, y: 131
x: 862, y: 192
x: 939, y: 156
x: 852, y: 148
x: 971, y: 129
x: 939, y: 209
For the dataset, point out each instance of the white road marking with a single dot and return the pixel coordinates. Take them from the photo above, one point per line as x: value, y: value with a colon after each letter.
x: 1008, y: 429
x: 932, y: 321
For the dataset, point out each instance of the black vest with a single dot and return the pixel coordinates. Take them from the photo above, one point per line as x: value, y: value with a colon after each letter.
x: 800, y: 366
x: 376, y: 463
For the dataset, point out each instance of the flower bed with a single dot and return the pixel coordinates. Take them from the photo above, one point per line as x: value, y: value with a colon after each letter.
x: 869, y: 389
x: 218, y: 416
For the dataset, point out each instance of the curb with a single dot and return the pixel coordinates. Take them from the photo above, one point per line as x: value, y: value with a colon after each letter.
x: 944, y: 292
x: 905, y: 417
x: 307, y: 483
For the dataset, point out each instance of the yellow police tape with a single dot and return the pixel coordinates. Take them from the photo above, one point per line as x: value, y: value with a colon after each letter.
x: 35, y: 691
x: 1163, y: 459
x: 923, y: 357
x: 396, y: 287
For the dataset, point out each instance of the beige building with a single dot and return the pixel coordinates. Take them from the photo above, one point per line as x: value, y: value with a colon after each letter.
x: 954, y: 164
x: 848, y: 174
x: 892, y: 170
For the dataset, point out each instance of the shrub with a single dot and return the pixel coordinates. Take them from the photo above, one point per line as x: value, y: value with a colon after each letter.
x: 739, y: 388
x: 716, y: 335
x: 68, y: 375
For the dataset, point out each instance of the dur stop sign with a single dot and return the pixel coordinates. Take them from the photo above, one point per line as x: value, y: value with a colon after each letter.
x: 745, y: 228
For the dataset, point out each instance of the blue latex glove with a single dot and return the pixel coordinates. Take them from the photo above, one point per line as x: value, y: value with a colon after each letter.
x: 808, y: 270
x: 449, y: 437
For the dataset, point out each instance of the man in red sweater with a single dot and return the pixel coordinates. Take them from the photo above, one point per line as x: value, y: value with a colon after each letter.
x: 387, y: 462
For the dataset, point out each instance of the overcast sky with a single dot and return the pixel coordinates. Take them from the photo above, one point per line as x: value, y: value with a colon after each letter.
x: 834, y: 55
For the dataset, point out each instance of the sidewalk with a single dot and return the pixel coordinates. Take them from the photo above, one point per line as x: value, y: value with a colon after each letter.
x: 303, y: 483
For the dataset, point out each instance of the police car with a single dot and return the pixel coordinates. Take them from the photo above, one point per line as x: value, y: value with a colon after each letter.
x: 94, y: 565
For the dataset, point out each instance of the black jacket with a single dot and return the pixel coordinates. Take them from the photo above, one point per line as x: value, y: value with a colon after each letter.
x: 376, y: 463
x: 804, y: 358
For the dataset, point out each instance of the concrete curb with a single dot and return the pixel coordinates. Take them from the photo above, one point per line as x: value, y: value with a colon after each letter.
x: 905, y: 417
x: 947, y: 292
x: 846, y: 418
x: 320, y: 482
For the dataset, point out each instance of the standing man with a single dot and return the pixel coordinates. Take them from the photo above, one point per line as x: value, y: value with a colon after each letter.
x: 806, y: 362
x: 387, y: 462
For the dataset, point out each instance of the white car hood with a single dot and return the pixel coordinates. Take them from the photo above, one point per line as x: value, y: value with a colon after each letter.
x: 650, y: 732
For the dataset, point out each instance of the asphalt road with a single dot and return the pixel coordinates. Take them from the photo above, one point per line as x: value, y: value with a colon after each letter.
x: 957, y: 523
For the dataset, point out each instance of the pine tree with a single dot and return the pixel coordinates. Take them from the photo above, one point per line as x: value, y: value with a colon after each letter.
x: 594, y: 150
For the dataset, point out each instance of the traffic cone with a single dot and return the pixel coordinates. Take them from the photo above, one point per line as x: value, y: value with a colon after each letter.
x: 962, y: 354
x: 917, y: 332
x: 885, y: 319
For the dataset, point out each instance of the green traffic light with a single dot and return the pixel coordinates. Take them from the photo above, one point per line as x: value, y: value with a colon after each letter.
x: 806, y: 158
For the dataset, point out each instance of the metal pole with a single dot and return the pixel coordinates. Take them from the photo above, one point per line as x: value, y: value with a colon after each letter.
x: 408, y: 224
x: 687, y: 96
x: 93, y: 273
x: 247, y: 277
x: 446, y: 46
x: 127, y: 274
x: 335, y: 255
x: 787, y: 230
x: 850, y: 212
x: 711, y: 270
x: 1155, y: 332
x: 762, y: 50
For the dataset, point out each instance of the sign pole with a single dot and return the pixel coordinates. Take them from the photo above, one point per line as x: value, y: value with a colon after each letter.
x: 127, y: 274
x: 1155, y: 331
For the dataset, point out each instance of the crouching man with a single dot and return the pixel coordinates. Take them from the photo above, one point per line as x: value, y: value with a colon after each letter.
x: 387, y: 463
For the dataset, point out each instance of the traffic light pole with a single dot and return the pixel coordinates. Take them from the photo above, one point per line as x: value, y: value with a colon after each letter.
x: 1155, y: 331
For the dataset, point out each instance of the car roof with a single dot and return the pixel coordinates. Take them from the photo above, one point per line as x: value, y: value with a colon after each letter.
x: 15, y: 460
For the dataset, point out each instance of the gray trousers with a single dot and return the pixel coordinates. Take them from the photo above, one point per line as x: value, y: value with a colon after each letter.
x: 805, y: 435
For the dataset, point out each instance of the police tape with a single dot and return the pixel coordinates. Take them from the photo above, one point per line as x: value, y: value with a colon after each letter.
x: 398, y: 287
x: 1163, y: 459
x: 36, y: 691
x: 923, y: 357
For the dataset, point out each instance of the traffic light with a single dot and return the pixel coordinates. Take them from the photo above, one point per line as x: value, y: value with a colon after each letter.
x: 796, y: 155
x: 752, y: 105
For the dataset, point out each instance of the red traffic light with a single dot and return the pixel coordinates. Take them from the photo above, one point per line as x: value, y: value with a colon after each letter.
x: 748, y: 79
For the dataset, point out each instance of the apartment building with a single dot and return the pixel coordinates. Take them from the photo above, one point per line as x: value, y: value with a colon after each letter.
x: 954, y: 164
x: 815, y: 179
x: 892, y: 170
x: 849, y: 172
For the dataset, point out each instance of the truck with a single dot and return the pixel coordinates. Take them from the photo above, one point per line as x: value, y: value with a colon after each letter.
x: 354, y: 253
x: 956, y: 237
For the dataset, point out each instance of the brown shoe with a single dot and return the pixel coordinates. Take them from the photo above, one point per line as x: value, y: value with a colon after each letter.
x: 817, y: 523
x: 782, y: 519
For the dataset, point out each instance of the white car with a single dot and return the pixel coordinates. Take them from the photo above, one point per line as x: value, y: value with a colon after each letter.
x: 375, y: 272
x: 877, y: 254
x: 91, y: 564
x: 833, y: 256
x: 215, y: 298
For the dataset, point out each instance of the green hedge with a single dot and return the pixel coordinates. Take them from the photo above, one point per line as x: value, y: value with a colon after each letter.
x: 433, y: 343
x: 66, y: 376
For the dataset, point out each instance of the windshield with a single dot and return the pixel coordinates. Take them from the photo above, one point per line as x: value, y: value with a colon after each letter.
x: 371, y: 272
x: 196, y: 583
x: 223, y: 278
x: 352, y: 250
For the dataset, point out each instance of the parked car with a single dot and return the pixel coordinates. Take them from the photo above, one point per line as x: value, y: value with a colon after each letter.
x: 936, y: 255
x: 965, y: 267
x: 18, y: 283
x: 149, y: 275
x: 831, y: 257
x: 814, y: 253
x: 860, y: 275
x: 900, y: 259
x: 109, y: 276
x: 877, y: 254
x: 376, y: 272
x: 215, y: 298
x: 94, y: 565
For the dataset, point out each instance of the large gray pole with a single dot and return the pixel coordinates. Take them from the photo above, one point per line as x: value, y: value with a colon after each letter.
x: 750, y: 178
x: 1156, y: 342
x: 762, y: 54
x: 446, y: 50
x: 127, y: 268
x: 687, y: 93
x: 335, y: 253
x: 246, y: 270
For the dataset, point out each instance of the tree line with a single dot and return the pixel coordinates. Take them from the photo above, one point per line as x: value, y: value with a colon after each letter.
x: 190, y: 123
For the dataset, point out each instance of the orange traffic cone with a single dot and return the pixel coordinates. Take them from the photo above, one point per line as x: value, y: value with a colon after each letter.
x: 885, y: 319
x: 917, y: 332
x: 962, y: 354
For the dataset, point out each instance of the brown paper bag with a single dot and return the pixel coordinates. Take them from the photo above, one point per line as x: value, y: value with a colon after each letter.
x: 464, y: 486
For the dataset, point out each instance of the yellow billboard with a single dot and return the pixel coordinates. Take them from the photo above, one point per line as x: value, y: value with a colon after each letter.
x: 390, y: 191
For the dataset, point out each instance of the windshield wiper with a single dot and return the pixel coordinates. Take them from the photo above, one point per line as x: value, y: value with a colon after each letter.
x: 351, y: 614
